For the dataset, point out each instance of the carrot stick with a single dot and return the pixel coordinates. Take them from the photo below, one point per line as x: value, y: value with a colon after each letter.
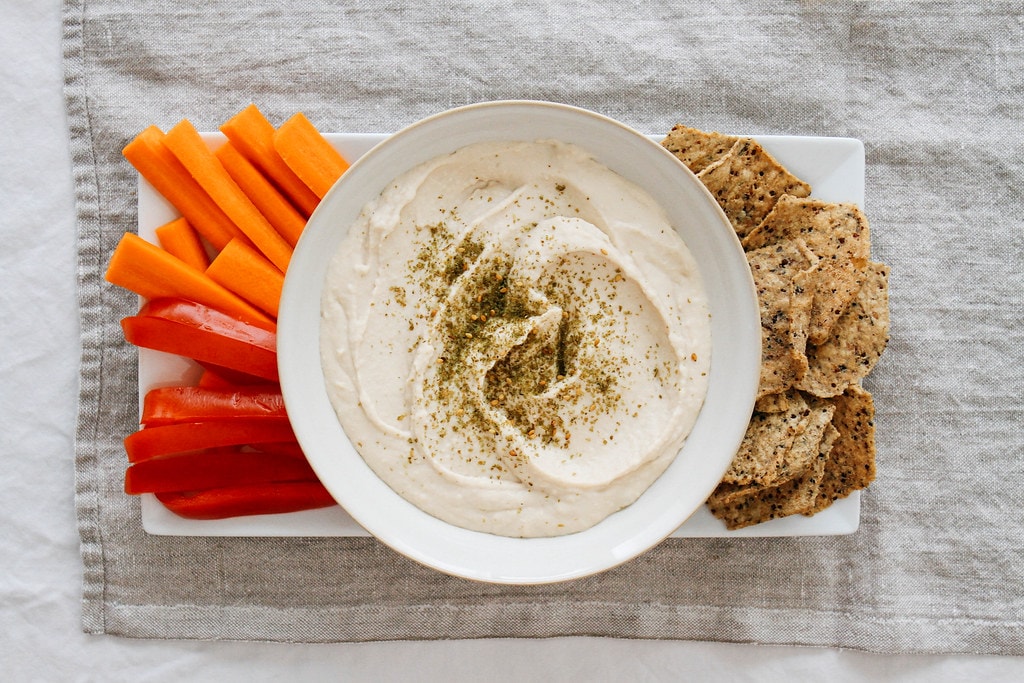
x: 185, y: 143
x: 308, y: 154
x: 253, y: 135
x: 248, y: 274
x: 151, y: 272
x: 164, y: 172
x: 178, y: 238
x: 285, y: 218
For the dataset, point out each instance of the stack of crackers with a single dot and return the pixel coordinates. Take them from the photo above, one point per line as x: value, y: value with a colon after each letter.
x: 824, y: 324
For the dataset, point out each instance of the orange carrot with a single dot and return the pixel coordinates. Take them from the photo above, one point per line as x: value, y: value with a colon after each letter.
x: 185, y: 143
x: 245, y: 271
x: 285, y: 218
x: 253, y: 135
x: 178, y: 238
x: 164, y: 172
x: 308, y: 154
x: 151, y: 272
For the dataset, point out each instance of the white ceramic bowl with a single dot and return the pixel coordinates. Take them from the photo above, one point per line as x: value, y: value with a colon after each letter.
x: 684, y: 486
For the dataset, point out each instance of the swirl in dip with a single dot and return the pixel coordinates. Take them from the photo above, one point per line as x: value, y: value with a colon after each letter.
x: 515, y: 338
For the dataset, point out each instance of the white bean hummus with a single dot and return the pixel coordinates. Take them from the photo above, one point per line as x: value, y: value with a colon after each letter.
x: 515, y: 339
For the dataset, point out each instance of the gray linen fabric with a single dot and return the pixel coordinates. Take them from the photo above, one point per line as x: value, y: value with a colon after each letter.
x: 933, y: 90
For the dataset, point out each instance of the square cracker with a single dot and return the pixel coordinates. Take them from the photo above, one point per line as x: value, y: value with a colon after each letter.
x: 747, y: 182
x: 697, y: 149
x: 856, y: 342
x: 851, y: 463
x: 839, y: 235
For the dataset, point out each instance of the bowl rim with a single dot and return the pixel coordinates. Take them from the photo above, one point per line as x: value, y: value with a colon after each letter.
x: 500, y: 559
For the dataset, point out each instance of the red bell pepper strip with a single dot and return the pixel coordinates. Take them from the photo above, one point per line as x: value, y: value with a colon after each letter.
x: 257, y: 499
x: 196, y: 331
x: 153, y: 442
x: 234, y: 377
x: 188, y: 311
x: 171, y: 405
x: 215, y: 468
x: 215, y: 377
x: 286, y: 449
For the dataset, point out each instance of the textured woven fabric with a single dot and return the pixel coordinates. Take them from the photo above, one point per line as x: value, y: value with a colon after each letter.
x: 933, y: 90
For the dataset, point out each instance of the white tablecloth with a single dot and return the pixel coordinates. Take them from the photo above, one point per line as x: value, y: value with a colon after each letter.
x: 40, y: 566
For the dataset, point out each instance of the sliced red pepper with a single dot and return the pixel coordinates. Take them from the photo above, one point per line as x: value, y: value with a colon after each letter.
x: 188, y: 311
x: 170, y: 405
x: 153, y: 442
x: 216, y: 377
x: 193, y: 330
x: 214, y: 468
x: 288, y: 449
x: 257, y: 499
x: 239, y: 379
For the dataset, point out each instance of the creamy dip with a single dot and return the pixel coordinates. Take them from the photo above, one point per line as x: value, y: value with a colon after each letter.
x: 515, y: 338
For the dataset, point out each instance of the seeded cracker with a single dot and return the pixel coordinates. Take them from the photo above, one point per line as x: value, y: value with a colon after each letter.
x: 856, y: 342
x: 851, y: 463
x: 696, y: 148
x: 839, y: 235
x: 799, y: 495
x: 804, y: 450
x: 747, y: 182
x: 785, y: 305
x: 769, y: 436
x: 778, y: 447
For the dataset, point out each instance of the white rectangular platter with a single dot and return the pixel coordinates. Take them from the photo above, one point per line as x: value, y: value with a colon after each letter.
x: 834, y: 167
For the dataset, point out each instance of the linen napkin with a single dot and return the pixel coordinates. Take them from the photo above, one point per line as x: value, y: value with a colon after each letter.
x: 933, y: 90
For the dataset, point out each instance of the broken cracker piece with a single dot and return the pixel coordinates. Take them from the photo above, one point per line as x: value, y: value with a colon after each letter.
x: 767, y: 439
x: 851, y: 463
x: 754, y: 505
x: 839, y: 235
x: 747, y: 182
x: 784, y: 305
x: 697, y: 149
x: 857, y: 340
